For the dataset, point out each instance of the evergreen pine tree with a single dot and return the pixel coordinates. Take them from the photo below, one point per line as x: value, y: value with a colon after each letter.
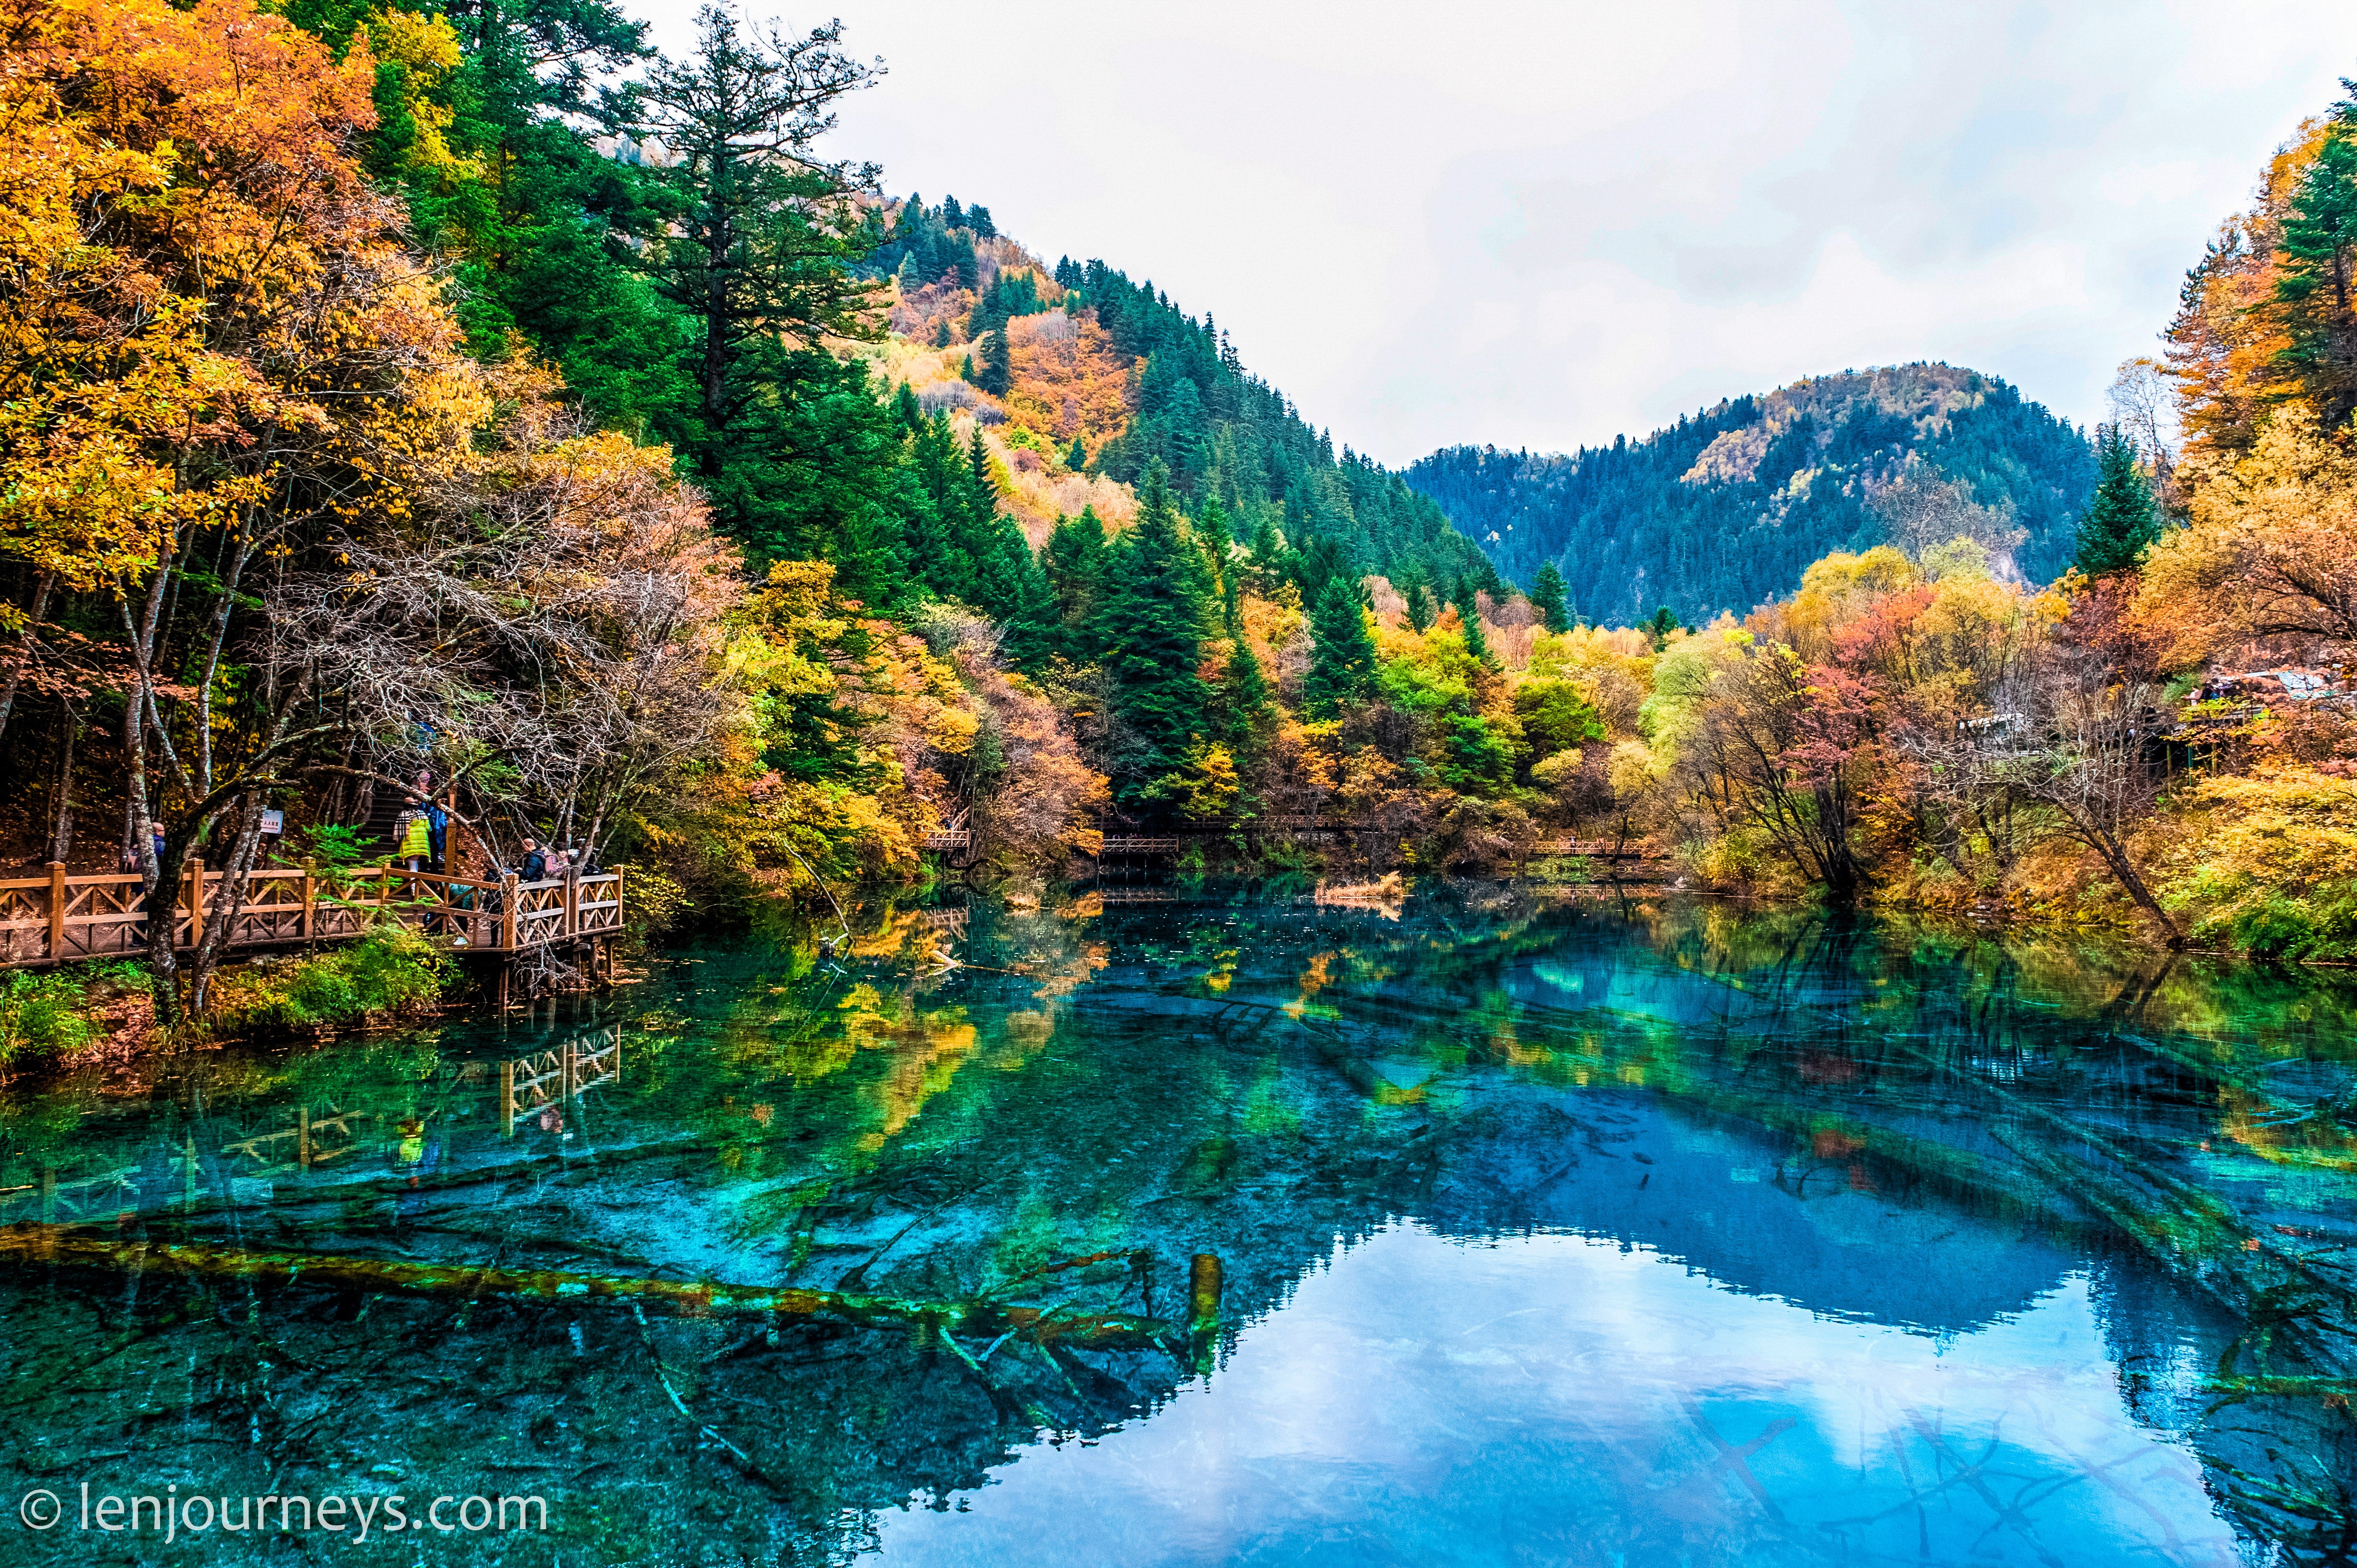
x: 966, y: 369
x: 1211, y: 528
x: 1076, y: 562
x: 942, y: 337
x: 2121, y: 518
x: 996, y: 369
x: 935, y: 511
x: 1468, y: 610
x: 753, y: 255
x: 1341, y: 654
x: 1546, y: 596
x: 1409, y: 582
x: 1076, y: 458
x: 1152, y: 627
x: 953, y: 215
x: 1265, y: 546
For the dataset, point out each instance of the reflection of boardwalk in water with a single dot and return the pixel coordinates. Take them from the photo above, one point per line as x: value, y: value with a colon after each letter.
x: 209, y: 1165
x: 529, y: 1083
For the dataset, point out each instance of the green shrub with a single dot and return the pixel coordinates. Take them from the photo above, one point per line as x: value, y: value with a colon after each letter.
x: 390, y: 970
x: 41, y: 1015
x: 49, y: 1015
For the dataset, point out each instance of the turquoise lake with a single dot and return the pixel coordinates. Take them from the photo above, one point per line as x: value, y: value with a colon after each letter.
x: 1223, y: 1225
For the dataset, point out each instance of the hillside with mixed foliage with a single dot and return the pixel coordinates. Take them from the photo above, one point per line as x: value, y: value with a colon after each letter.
x: 1722, y: 510
x: 1099, y: 375
x: 393, y: 410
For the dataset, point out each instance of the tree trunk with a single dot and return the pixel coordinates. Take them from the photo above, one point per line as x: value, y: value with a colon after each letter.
x: 24, y: 654
x: 61, y: 825
x: 221, y: 923
x: 2115, y: 855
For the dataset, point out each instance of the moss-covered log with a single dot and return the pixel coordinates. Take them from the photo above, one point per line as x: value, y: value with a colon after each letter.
x: 27, y: 1245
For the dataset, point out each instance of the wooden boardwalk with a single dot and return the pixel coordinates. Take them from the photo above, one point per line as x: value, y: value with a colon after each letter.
x: 68, y: 920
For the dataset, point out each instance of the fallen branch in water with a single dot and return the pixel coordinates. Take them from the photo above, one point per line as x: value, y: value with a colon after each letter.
x: 23, y: 1245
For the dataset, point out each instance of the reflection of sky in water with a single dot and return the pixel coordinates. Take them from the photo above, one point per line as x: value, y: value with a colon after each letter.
x: 1642, y: 1195
x: 1552, y: 1399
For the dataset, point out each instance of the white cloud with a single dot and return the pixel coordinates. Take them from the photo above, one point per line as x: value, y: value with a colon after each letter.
x: 1545, y: 223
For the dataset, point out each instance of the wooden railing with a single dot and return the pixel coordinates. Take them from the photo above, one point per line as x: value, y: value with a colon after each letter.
x: 63, y: 919
x: 1595, y: 849
x: 1170, y: 844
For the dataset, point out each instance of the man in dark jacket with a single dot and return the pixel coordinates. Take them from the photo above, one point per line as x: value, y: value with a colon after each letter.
x: 535, y: 865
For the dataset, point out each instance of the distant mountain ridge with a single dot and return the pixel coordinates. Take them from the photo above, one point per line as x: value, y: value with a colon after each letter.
x: 1725, y: 508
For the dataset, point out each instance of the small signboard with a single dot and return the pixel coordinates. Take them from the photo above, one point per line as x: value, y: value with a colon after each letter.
x: 273, y: 822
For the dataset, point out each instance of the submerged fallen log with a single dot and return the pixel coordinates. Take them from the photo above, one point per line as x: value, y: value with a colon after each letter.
x: 27, y: 1245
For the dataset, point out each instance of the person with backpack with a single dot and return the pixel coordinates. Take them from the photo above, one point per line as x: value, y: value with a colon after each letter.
x: 413, y: 836
x: 438, y: 834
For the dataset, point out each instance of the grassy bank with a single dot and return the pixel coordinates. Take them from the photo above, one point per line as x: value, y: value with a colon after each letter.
x: 62, y: 1017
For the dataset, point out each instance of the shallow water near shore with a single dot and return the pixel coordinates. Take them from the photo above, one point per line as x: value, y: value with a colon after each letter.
x: 1220, y: 1225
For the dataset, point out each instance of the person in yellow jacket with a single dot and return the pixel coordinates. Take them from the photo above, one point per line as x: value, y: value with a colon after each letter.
x: 413, y: 837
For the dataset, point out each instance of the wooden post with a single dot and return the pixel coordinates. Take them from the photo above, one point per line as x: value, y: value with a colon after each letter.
x: 1203, y: 1293
x: 188, y: 1179
x: 384, y: 888
x: 508, y: 928
x: 196, y: 899
x: 57, y: 910
x: 571, y: 1070
x: 451, y: 841
x: 572, y: 904
x: 507, y: 1083
x: 48, y: 1195
x: 310, y: 898
x: 303, y: 1137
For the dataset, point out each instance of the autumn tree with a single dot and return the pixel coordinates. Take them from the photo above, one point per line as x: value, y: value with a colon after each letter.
x: 2270, y: 549
x: 1789, y: 751
x: 2080, y: 735
x: 2314, y: 283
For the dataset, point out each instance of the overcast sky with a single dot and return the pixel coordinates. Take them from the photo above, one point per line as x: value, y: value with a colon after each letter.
x: 1546, y: 224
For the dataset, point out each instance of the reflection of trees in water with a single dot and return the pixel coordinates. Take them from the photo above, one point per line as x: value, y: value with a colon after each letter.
x: 946, y: 1107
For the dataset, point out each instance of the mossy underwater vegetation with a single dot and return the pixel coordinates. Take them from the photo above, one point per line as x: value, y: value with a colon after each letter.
x: 819, y: 1229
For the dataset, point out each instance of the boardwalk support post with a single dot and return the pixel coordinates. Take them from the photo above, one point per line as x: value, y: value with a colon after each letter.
x: 310, y: 900
x: 196, y: 899
x: 57, y: 909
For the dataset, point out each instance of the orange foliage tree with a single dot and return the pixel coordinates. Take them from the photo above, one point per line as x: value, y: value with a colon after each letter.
x: 1069, y: 381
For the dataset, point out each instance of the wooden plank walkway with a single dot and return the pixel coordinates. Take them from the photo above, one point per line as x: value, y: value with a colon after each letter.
x: 67, y: 920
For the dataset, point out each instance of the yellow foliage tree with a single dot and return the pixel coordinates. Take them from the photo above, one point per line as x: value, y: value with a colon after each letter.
x: 2271, y: 548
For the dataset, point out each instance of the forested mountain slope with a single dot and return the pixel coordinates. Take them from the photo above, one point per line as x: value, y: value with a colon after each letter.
x: 1722, y: 510
x: 1079, y: 371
